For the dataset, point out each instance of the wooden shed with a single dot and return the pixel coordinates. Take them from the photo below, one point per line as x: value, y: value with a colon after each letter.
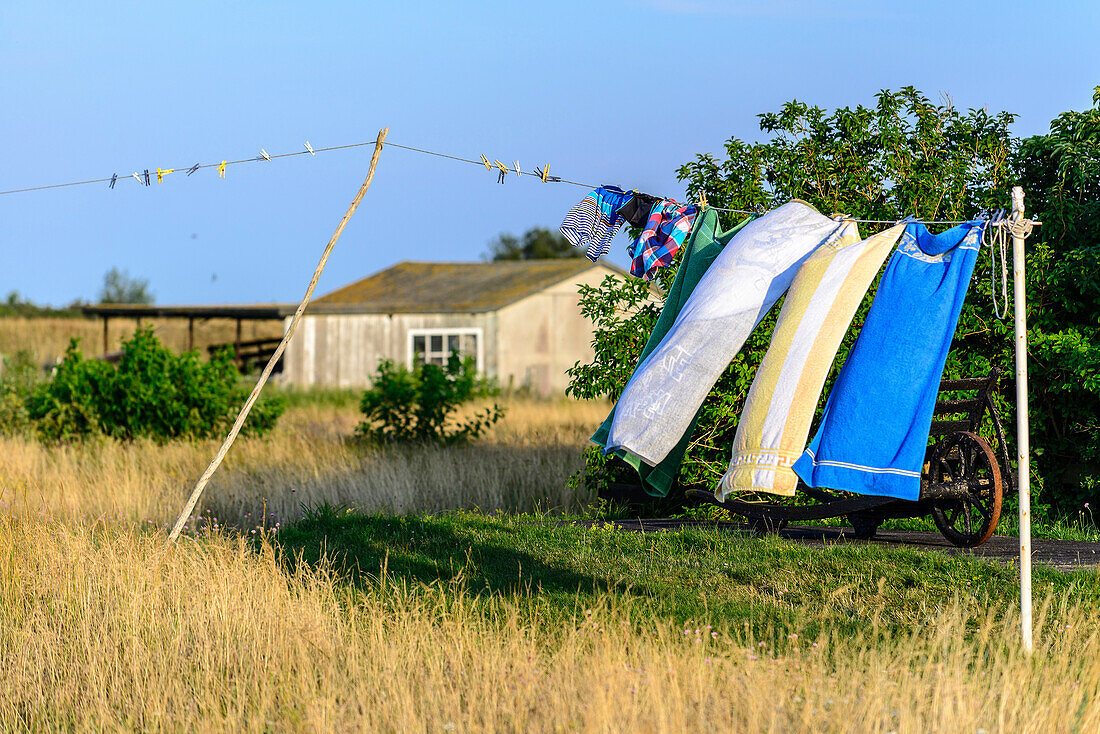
x: 519, y: 319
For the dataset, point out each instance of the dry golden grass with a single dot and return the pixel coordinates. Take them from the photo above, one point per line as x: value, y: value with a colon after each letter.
x: 522, y: 464
x: 105, y: 629
x: 47, y: 338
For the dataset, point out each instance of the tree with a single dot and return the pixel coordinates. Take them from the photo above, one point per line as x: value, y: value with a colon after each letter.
x: 1061, y: 175
x: 903, y: 155
x: 119, y: 287
x: 536, y: 243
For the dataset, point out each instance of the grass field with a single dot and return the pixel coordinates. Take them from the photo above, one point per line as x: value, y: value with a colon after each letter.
x: 298, y: 614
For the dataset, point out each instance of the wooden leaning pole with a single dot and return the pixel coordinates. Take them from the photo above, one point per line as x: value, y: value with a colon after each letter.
x: 232, y: 436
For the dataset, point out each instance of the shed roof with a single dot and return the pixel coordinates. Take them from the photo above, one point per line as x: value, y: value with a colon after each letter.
x: 461, y: 287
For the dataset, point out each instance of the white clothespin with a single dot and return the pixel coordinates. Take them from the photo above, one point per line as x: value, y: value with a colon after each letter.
x: 310, y: 148
x: 519, y: 171
x: 264, y: 155
x: 137, y: 177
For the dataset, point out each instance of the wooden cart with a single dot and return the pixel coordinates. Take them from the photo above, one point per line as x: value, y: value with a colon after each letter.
x: 961, y: 487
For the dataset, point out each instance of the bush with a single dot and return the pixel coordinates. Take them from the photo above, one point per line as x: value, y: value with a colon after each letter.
x: 153, y: 392
x: 416, y: 406
x: 18, y: 379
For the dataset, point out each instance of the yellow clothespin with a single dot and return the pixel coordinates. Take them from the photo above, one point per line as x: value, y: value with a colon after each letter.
x: 488, y: 165
x: 545, y: 172
x: 221, y: 170
x: 501, y: 166
x: 702, y: 200
x: 161, y: 173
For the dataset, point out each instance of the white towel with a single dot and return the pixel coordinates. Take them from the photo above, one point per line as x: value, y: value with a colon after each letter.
x: 816, y: 313
x: 738, y: 289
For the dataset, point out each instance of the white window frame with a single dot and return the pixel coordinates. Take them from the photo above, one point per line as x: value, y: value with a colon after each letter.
x: 475, y: 331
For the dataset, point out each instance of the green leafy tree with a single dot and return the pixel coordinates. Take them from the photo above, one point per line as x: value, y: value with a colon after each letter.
x: 417, y: 405
x: 119, y: 287
x: 903, y: 155
x: 536, y: 243
x: 1061, y: 174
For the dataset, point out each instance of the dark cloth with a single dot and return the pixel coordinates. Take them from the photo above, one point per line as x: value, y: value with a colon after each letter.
x: 636, y: 211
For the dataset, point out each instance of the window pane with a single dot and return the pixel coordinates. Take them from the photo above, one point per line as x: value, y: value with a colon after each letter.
x: 436, y: 359
x: 437, y: 342
x: 418, y: 345
x: 469, y: 344
x: 452, y: 343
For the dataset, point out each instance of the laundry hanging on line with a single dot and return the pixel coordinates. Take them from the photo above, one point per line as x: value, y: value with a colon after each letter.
x: 667, y: 389
x: 595, y: 220
x: 636, y: 211
x: 817, y: 311
x: 887, y: 388
x: 703, y: 245
x: 666, y: 228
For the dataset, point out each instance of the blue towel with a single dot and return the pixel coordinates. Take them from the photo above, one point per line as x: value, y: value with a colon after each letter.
x: 874, y: 431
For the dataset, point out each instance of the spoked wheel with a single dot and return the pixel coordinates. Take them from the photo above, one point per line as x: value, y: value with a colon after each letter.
x: 970, y: 519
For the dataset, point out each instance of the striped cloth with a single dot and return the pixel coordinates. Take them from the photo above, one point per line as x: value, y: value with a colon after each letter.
x: 744, y: 282
x: 595, y: 220
x: 817, y: 311
x: 874, y: 430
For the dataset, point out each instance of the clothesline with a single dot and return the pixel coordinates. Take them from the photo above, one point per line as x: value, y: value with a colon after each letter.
x: 495, y: 165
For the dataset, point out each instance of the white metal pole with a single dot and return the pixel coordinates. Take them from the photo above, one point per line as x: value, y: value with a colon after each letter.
x: 1022, y: 449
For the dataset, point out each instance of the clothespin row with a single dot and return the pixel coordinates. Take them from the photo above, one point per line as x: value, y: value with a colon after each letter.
x: 544, y: 174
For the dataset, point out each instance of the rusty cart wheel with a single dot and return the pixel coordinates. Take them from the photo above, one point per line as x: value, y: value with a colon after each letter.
x: 965, y: 459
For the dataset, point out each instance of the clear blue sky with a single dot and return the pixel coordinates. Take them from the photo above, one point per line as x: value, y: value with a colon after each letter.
x: 621, y: 92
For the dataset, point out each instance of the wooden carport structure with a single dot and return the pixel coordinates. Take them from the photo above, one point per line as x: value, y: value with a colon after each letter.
x: 238, y: 313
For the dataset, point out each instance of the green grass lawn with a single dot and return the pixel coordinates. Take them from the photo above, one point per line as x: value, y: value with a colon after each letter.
x: 691, y: 576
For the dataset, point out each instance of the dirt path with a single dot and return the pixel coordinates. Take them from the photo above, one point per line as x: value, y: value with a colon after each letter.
x: 1063, y: 554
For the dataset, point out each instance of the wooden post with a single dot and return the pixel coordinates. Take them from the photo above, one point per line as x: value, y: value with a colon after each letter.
x: 190, y: 333
x: 1022, y: 438
x: 105, y: 342
x: 229, y: 439
x: 237, y: 346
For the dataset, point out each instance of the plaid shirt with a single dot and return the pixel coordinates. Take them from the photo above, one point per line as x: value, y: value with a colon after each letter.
x: 665, y: 231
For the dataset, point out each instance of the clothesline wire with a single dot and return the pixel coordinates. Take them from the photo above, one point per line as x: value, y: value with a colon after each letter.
x: 557, y: 179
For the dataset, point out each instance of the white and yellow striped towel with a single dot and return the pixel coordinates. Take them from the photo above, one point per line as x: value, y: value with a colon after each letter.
x: 780, y: 405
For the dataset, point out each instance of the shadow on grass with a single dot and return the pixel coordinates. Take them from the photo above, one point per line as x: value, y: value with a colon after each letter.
x: 485, y: 554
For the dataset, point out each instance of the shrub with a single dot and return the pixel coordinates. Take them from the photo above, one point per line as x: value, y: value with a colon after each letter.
x: 153, y: 392
x: 416, y: 405
x: 18, y: 379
